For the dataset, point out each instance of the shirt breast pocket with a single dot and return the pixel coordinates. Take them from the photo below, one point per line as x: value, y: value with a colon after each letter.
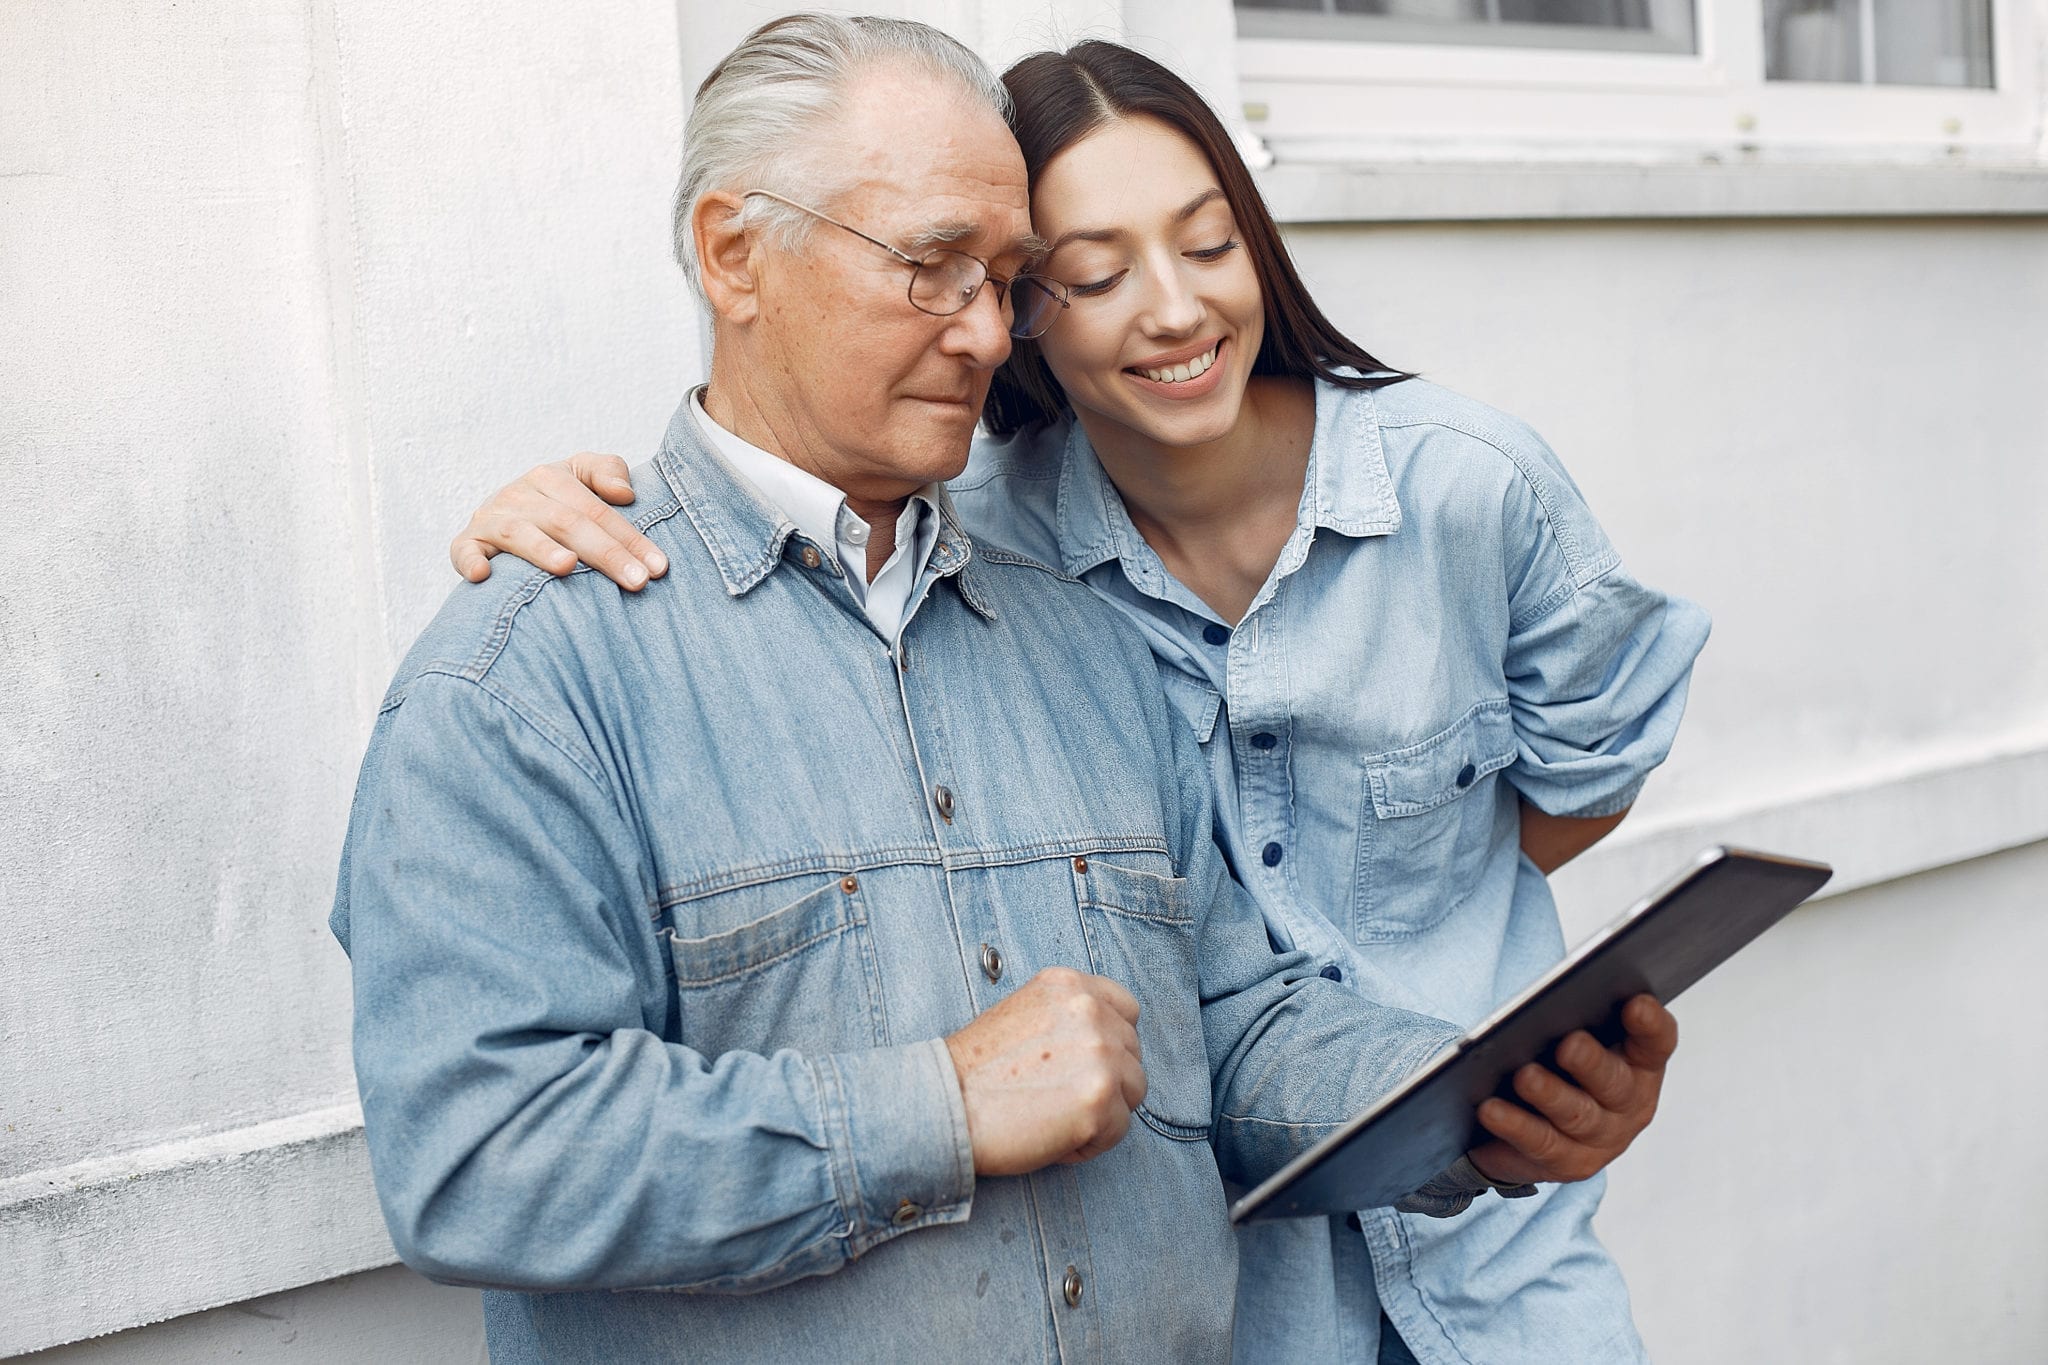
x: 1140, y: 929
x: 802, y: 976
x: 1427, y: 821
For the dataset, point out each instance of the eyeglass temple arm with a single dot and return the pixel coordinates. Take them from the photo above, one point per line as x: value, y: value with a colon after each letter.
x: 804, y: 208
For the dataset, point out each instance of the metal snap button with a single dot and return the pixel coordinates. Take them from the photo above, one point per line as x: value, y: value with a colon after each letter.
x: 1081, y: 866
x: 1264, y: 740
x: 1333, y: 972
x: 991, y: 962
x: 1270, y: 855
x: 1071, y: 1287
x: 1465, y: 776
x: 849, y: 884
x: 906, y: 1213
x: 810, y: 557
x: 942, y: 797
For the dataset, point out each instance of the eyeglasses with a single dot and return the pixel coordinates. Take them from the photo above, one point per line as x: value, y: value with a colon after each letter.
x: 945, y: 282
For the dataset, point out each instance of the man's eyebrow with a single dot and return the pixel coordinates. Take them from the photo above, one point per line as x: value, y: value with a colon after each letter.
x: 939, y: 234
x: 1180, y: 215
x: 1030, y: 246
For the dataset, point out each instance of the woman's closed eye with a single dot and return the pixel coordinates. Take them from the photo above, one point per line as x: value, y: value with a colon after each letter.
x: 1101, y: 286
x: 1109, y: 282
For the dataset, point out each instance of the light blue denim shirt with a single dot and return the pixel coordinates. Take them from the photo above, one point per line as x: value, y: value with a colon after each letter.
x: 1446, y: 634
x: 644, y: 1003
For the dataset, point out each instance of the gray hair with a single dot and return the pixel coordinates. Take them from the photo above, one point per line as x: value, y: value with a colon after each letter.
x: 779, y: 87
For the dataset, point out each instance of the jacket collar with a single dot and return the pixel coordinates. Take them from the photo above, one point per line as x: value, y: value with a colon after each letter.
x: 1348, y: 488
x: 747, y: 538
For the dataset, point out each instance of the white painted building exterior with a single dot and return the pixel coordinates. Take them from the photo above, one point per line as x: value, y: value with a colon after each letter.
x: 286, y: 286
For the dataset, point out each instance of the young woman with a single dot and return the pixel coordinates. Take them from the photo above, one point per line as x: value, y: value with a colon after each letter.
x: 1419, y: 672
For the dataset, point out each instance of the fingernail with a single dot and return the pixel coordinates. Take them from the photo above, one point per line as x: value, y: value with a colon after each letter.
x: 660, y: 564
x: 635, y: 575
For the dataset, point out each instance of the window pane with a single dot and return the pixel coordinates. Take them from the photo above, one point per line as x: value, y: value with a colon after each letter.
x: 1632, y: 25
x: 1879, y: 42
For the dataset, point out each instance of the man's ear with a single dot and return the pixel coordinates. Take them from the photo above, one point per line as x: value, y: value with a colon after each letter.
x: 725, y: 256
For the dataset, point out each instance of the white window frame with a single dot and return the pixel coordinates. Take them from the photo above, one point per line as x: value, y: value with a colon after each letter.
x: 1324, y: 101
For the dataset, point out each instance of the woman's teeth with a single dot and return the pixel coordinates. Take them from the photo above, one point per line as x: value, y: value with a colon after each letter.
x: 1181, y: 374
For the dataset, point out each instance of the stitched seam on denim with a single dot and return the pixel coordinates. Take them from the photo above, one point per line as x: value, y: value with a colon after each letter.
x: 715, y: 540
x: 1582, y: 571
x: 725, y: 1284
x: 846, y: 1165
x: 531, y: 587
x: 763, y: 964
x: 1005, y: 469
x: 1167, y: 1128
x: 1287, y: 1125
x: 1012, y: 854
x: 498, y: 694
x: 1555, y: 602
x: 837, y: 862
x: 956, y: 1122
x: 1384, y: 804
x: 866, y: 860
x: 992, y: 554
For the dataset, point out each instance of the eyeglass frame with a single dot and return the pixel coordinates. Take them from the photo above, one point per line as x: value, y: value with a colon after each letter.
x: 1052, y: 288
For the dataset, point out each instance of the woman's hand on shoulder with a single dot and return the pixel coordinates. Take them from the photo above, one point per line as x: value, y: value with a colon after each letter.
x: 557, y: 515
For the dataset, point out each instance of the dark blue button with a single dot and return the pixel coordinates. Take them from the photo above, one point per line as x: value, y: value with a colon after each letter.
x: 1271, y: 855
x: 1333, y: 972
x: 1262, y: 740
x: 1465, y: 776
x: 1215, y: 634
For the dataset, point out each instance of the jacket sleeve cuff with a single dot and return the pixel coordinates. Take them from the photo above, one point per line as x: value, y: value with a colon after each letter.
x: 1451, y: 1192
x: 897, y: 1129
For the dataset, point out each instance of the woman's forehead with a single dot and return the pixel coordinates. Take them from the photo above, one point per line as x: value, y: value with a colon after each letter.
x: 1131, y: 172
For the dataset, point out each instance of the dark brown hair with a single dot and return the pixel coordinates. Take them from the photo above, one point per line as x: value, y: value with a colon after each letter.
x: 1062, y: 97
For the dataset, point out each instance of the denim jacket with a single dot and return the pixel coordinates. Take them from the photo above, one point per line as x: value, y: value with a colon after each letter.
x: 649, y: 1017
x: 1448, y: 633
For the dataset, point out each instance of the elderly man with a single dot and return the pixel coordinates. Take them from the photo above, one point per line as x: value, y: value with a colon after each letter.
x: 803, y: 934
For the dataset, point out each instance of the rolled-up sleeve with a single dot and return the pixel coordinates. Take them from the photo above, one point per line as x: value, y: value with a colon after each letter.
x: 529, y: 1126
x: 1597, y: 664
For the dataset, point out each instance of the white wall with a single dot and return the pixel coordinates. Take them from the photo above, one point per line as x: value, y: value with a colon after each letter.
x: 284, y: 286
x: 1844, y: 1169
x: 287, y: 285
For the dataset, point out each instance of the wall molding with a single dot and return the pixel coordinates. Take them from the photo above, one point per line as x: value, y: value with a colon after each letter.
x: 1874, y: 827
x: 214, y: 1220
x: 1313, y: 191
x: 186, y: 1226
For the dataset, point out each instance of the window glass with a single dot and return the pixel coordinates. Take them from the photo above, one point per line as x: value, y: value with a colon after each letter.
x: 1879, y: 42
x: 1630, y: 25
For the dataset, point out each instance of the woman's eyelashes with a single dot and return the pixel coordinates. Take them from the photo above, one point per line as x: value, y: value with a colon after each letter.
x: 1102, y: 286
x: 1109, y: 282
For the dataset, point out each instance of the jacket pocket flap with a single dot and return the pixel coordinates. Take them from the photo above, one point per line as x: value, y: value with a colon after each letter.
x: 776, y: 935
x: 1445, y: 766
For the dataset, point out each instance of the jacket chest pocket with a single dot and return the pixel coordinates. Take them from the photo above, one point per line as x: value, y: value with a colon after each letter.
x: 802, y: 976
x: 1140, y: 928
x: 1427, y: 821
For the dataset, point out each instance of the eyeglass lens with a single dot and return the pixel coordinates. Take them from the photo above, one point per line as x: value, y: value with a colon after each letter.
x: 947, y: 282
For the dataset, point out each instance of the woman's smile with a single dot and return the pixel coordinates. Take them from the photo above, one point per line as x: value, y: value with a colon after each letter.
x: 1177, y: 376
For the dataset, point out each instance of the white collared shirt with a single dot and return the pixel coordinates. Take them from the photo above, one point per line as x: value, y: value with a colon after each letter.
x: 819, y: 511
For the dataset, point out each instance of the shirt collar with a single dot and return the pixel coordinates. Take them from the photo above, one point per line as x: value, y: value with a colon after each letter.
x: 1348, y: 488
x: 746, y: 527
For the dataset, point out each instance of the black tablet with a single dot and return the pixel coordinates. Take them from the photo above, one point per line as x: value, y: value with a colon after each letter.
x: 1661, y: 945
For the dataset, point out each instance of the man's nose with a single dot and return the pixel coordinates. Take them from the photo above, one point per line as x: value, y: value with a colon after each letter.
x: 979, y: 332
